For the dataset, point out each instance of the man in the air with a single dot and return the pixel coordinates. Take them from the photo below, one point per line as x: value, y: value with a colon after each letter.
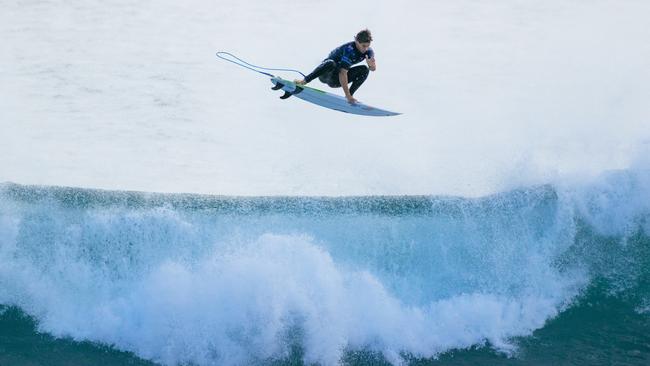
x: 337, y: 70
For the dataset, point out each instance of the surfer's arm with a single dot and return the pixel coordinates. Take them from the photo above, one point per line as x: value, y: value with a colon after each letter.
x: 343, y: 79
x: 371, y: 63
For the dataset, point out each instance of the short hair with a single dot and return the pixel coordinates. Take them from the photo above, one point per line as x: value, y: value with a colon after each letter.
x: 364, y: 36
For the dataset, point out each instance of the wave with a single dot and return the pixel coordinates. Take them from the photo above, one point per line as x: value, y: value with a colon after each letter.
x: 240, y: 280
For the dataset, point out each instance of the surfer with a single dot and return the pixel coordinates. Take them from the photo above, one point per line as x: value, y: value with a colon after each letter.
x: 337, y: 70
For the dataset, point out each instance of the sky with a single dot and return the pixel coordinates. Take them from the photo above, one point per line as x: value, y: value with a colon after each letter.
x: 129, y: 95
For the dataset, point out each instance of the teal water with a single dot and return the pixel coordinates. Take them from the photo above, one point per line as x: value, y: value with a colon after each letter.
x: 600, y: 330
x: 536, y: 276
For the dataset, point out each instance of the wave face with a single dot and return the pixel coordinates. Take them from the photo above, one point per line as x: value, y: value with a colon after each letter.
x: 204, y: 280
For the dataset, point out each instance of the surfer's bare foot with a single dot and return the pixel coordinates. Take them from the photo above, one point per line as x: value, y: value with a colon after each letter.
x: 300, y: 82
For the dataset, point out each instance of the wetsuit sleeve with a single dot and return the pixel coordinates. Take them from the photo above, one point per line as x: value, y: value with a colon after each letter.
x: 371, y: 53
x: 346, y: 59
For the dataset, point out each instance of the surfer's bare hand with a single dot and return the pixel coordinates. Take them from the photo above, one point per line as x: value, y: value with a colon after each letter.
x: 351, y: 99
x: 300, y: 82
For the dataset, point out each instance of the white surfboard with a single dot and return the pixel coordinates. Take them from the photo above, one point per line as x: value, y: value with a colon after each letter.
x: 327, y: 100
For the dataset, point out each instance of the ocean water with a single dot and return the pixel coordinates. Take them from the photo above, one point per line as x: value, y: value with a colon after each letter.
x: 539, y: 275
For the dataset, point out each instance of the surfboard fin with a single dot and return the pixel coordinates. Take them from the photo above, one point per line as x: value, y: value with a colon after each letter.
x: 277, y: 86
x: 287, y: 94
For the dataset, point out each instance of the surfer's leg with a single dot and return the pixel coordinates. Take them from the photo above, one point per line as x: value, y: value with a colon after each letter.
x: 331, y: 78
x: 357, y: 75
x: 323, y: 68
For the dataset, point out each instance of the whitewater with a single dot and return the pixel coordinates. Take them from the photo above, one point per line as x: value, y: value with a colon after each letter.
x: 181, y: 279
x: 159, y: 206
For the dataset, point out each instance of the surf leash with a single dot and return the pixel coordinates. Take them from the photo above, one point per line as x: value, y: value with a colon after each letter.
x: 238, y: 61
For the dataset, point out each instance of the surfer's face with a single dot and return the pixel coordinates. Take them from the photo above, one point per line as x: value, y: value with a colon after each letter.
x: 362, y: 47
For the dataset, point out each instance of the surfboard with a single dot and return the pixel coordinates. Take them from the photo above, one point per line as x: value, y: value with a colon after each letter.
x: 325, y: 99
x: 309, y: 94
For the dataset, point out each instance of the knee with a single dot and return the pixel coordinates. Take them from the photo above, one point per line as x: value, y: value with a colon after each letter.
x: 329, y: 64
x: 365, y: 70
x: 362, y: 70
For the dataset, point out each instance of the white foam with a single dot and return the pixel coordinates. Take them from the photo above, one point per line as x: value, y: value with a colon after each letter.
x: 245, y: 302
x: 616, y: 202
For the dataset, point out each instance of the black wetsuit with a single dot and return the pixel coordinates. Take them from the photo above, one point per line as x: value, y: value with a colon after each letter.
x: 343, y: 57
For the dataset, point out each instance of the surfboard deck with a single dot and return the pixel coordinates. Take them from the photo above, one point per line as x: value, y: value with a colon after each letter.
x: 327, y: 100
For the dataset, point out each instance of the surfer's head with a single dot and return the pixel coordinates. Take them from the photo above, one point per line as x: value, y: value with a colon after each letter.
x: 363, y: 39
x: 364, y: 36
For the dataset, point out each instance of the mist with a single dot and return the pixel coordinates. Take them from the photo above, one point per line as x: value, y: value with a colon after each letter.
x: 495, y: 94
